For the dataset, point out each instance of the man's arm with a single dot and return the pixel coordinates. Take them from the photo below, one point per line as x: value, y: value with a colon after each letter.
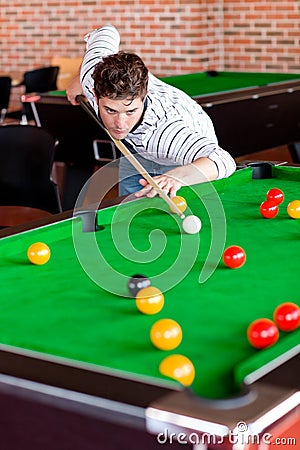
x: 74, y: 88
x: 201, y: 170
x: 99, y: 43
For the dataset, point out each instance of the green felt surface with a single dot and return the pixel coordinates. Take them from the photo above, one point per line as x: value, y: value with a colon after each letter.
x: 58, y: 93
x: 197, y: 84
x: 59, y: 310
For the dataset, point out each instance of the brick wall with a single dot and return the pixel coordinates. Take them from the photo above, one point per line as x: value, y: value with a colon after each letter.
x: 262, y: 35
x: 172, y: 36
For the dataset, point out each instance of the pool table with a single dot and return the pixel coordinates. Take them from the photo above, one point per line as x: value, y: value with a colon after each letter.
x: 73, y: 340
x: 251, y: 111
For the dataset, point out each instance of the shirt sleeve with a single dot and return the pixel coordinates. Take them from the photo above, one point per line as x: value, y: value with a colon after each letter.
x: 224, y: 162
x: 174, y: 140
x: 99, y: 43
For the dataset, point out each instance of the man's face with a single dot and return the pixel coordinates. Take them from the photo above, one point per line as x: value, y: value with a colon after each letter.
x: 120, y: 116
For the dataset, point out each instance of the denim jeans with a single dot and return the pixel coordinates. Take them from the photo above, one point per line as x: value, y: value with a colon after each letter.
x: 129, y: 177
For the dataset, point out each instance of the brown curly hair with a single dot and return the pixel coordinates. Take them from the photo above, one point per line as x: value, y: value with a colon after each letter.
x: 121, y: 76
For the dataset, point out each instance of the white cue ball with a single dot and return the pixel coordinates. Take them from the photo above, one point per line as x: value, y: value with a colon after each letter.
x: 192, y: 224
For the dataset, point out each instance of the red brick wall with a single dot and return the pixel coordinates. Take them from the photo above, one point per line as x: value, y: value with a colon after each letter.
x: 262, y: 35
x: 172, y: 36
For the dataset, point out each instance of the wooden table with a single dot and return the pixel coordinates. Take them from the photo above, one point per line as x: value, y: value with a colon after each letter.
x: 16, y: 215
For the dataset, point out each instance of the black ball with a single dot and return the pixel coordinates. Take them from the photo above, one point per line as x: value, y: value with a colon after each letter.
x: 136, y: 283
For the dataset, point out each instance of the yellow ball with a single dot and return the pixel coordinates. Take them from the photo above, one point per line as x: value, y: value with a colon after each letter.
x: 179, y: 202
x: 166, y: 334
x: 38, y: 253
x: 149, y: 300
x: 293, y: 209
x: 178, y: 367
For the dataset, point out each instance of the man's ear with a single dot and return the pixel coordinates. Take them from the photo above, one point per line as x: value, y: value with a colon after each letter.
x: 96, y: 98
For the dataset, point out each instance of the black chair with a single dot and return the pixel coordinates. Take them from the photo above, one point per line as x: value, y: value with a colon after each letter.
x: 41, y: 80
x: 5, y: 88
x: 37, y: 81
x: 26, y: 159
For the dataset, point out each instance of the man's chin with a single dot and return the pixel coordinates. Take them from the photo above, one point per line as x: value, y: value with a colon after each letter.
x: 118, y: 136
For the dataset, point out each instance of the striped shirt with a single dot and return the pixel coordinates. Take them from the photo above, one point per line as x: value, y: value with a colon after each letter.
x: 175, y: 130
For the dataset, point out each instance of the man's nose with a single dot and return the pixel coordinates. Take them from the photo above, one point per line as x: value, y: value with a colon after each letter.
x: 120, y: 121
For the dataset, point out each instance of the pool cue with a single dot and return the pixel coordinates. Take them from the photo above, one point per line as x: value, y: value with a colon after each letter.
x: 81, y: 99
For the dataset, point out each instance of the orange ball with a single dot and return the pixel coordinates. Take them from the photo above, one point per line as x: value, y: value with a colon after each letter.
x: 293, y: 209
x: 166, y: 334
x: 179, y: 202
x: 38, y: 253
x: 178, y: 367
x: 149, y: 300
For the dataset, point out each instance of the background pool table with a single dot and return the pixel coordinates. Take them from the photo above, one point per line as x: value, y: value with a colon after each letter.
x: 71, y: 336
x: 251, y: 112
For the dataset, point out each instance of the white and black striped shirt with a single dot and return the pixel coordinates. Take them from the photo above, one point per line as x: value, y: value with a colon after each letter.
x: 175, y: 129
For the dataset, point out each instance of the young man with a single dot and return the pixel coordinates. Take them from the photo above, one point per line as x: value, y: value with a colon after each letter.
x: 168, y: 132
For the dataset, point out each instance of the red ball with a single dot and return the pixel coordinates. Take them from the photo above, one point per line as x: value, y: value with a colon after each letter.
x: 262, y: 333
x: 234, y: 257
x: 287, y: 316
x: 269, y: 209
x: 276, y: 195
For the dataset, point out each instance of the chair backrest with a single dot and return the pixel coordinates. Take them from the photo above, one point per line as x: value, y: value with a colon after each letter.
x: 41, y: 80
x: 5, y: 88
x: 26, y: 159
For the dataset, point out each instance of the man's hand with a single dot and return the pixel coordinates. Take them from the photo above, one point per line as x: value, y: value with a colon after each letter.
x: 201, y: 170
x: 74, y: 89
x: 166, y: 183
